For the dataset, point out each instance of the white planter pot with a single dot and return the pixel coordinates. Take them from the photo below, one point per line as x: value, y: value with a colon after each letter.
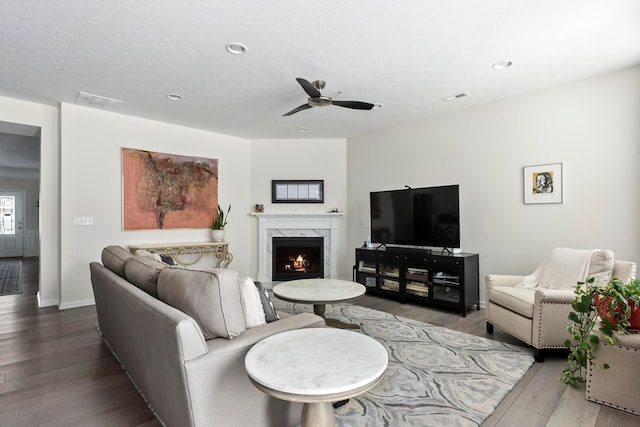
x: 217, y: 235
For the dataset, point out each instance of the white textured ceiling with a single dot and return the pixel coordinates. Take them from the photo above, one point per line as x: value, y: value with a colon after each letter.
x: 406, y: 55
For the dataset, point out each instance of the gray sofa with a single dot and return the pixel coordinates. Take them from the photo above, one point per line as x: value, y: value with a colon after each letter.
x: 186, y: 379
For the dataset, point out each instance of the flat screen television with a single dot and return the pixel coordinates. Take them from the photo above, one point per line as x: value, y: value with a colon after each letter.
x: 428, y: 216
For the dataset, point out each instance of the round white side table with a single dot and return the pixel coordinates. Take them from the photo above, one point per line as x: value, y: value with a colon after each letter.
x: 316, y: 366
x: 320, y: 292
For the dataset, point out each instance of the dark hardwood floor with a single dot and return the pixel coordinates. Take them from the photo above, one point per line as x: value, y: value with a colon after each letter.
x: 55, y: 370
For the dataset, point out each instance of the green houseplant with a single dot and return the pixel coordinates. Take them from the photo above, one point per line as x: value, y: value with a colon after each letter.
x: 220, y: 219
x: 605, y: 308
x: 219, y: 222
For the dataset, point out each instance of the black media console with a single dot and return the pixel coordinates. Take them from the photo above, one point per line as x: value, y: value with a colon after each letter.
x: 419, y: 275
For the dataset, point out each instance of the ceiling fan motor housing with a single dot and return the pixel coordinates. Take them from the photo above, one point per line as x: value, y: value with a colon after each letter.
x: 316, y: 99
x: 319, y: 101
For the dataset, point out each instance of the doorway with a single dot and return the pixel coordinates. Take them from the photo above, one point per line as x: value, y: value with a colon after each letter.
x: 19, y: 197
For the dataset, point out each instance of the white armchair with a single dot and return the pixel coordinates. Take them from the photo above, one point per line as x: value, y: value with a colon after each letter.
x: 538, y: 315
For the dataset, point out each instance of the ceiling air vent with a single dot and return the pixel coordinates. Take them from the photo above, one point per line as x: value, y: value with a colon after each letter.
x: 96, y: 100
x: 454, y: 97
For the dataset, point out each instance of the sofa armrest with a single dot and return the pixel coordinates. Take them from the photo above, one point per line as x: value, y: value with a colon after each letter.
x: 492, y: 280
x: 218, y: 379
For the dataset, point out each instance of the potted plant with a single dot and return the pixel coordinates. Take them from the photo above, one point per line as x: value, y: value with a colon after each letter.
x: 607, y: 309
x: 219, y: 221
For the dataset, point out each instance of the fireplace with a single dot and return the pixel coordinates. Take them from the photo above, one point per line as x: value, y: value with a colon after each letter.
x: 297, y: 258
x: 275, y: 224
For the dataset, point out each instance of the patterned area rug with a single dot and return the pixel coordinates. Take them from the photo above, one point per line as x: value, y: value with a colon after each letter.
x: 10, y: 277
x: 436, y: 376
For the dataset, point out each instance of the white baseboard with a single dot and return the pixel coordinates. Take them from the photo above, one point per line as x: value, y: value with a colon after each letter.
x: 46, y: 303
x: 76, y: 304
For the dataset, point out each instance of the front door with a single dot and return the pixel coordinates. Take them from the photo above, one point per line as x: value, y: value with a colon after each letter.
x: 11, y: 220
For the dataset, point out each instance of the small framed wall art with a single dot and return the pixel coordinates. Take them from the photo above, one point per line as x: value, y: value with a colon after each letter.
x: 543, y: 183
x: 297, y: 191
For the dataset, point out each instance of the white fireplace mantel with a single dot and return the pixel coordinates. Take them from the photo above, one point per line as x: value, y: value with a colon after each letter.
x: 297, y: 225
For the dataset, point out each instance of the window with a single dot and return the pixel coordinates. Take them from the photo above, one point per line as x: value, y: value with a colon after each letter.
x: 7, y: 215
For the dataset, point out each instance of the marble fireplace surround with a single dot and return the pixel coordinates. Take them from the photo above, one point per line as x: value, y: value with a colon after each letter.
x: 297, y: 225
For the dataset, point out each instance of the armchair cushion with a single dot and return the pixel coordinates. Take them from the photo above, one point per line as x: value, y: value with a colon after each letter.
x: 516, y: 299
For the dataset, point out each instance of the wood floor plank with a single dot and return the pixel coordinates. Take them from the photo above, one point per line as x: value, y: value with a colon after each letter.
x: 573, y: 410
x: 521, y: 417
x: 544, y: 391
x: 610, y: 417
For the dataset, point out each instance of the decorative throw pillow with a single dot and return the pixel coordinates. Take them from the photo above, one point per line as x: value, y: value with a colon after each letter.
x: 167, y: 259
x: 143, y: 272
x: 115, y: 258
x: 253, y: 311
x: 601, y: 265
x: 211, y: 298
x: 269, y: 311
x: 152, y: 255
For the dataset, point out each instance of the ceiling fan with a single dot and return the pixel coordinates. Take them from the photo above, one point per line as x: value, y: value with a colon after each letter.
x: 316, y: 99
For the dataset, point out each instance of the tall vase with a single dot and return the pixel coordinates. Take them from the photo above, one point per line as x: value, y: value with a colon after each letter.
x: 217, y: 235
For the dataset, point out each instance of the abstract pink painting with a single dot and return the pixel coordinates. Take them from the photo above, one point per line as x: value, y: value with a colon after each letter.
x: 162, y: 191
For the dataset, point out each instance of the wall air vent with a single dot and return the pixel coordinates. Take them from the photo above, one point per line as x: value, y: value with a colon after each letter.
x: 96, y: 100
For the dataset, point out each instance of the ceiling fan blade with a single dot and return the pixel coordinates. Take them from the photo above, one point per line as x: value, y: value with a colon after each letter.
x: 309, y: 88
x: 297, y: 109
x: 357, y: 105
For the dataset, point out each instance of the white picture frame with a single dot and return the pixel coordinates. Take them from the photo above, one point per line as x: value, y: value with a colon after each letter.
x: 543, y: 183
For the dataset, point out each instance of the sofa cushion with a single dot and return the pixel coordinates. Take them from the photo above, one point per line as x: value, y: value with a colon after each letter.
x: 517, y: 299
x: 143, y: 272
x: 253, y: 311
x: 269, y: 311
x: 211, y: 298
x: 115, y: 258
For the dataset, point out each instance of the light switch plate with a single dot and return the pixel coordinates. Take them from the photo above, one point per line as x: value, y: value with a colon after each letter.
x: 83, y: 220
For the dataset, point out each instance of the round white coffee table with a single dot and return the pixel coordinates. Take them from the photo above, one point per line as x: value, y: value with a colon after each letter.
x: 316, y: 366
x: 320, y: 292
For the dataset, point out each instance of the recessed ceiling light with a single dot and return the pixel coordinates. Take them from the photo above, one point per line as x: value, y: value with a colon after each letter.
x: 502, y: 65
x: 377, y: 105
x: 236, y: 48
x: 454, y: 97
x: 174, y: 97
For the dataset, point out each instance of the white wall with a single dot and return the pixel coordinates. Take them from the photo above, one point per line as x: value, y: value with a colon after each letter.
x: 324, y: 159
x: 91, y: 186
x: 590, y: 126
x: 46, y: 118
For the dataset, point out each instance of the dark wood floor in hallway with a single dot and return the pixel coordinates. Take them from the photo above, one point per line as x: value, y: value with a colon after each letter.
x: 56, y: 371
